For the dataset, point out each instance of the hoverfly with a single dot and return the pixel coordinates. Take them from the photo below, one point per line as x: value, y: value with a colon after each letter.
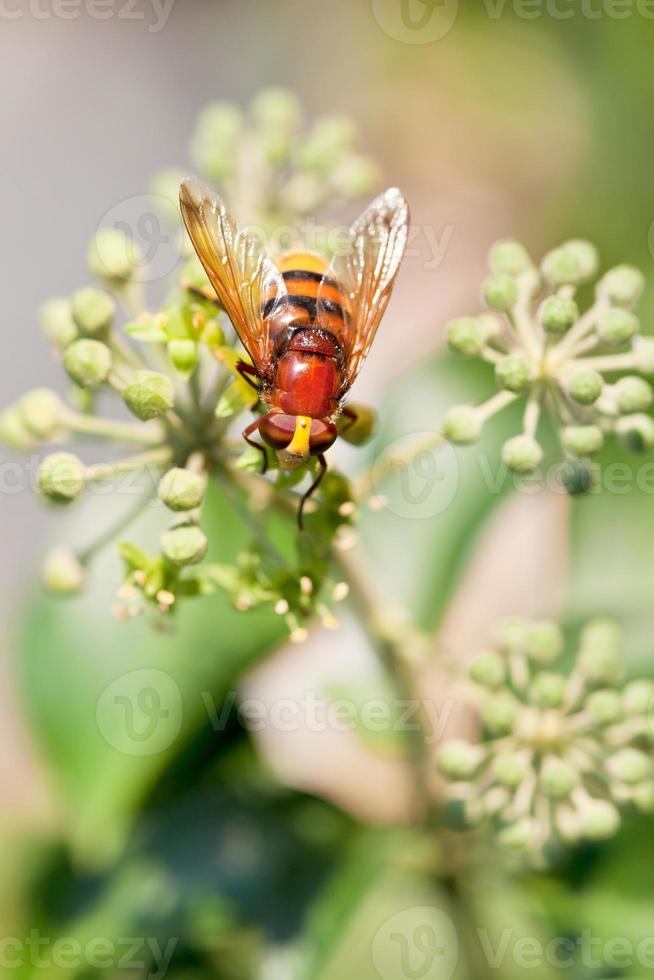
x: 306, y: 325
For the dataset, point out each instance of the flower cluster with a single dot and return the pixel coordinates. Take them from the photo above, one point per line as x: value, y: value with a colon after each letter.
x: 583, y: 367
x: 174, y: 369
x: 561, y: 751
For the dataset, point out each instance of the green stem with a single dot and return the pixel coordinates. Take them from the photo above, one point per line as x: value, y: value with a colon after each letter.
x: 148, y: 435
x: 376, y: 475
x: 112, y: 532
x: 157, y: 457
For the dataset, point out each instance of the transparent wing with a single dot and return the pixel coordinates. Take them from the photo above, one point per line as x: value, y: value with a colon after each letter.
x: 249, y: 285
x: 367, y: 271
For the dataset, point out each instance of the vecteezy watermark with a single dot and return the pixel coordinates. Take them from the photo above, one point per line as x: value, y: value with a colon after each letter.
x: 140, y: 713
x: 415, y: 21
x: 153, y: 13
x: 569, y: 9
x: 414, y: 478
x: 145, y: 954
x: 416, y: 944
x: 154, y: 248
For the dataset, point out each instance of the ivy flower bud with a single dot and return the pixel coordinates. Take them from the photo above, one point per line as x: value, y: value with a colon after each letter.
x: 88, y: 362
x: 558, y: 313
x: 219, y: 127
x: 622, y: 286
x: 181, y: 489
x: 643, y: 351
x: 57, y: 322
x: 604, y: 707
x: 490, y: 325
x: 458, y: 760
x: 150, y: 395
x: 40, y: 410
x: 563, y: 266
x: 462, y: 424
x: 636, y: 432
x: 184, y: 355
x: 522, y: 454
x: 92, y: 310
x: 357, y: 433
x: 638, y: 697
x: 499, y: 714
x: 61, y: 477
x: 559, y: 778
x: 276, y: 108
x: 61, y: 572
x: 513, y: 373
x: 586, y: 255
x: 500, y: 291
x: 585, y: 385
x: 510, y: 257
x: 512, y: 635
x: 487, y: 669
x: 113, y: 257
x: 598, y: 819
x: 510, y: 769
x: 599, y: 654
x: 519, y: 835
x: 633, y: 394
x: 543, y: 642
x: 13, y: 431
x: 616, y: 326
x: 630, y: 765
x: 582, y: 440
x: 186, y: 545
x: 547, y: 689
x: 355, y: 175
x: 464, y: 336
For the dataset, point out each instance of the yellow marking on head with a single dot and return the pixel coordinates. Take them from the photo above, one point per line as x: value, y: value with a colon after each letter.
x: 299, y: 444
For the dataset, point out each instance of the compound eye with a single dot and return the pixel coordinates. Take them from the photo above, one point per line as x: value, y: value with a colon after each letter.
x: 277, y: 430
x: 323, y: 435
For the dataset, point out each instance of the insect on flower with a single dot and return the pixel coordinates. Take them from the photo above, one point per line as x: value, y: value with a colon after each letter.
x: 306, y: 325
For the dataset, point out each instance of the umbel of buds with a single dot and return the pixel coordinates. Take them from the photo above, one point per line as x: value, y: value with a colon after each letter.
x: 562, y: 751
x: 583, y: 367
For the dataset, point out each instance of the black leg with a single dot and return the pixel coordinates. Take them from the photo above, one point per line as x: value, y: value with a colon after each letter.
x: 248, y: 372
x: 314, y: 486
x: 253, y: 427
x: 351, y: 417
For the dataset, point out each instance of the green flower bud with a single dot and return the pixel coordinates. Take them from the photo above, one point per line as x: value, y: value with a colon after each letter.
x: 181, y: 489
x: 362, y: 429
x: 500, y: 291
x: 40, y: 410
x: 599, y: 654
x: 113, y: 257
x: 586, y: 255
x: 630, y: 765
x: 547, y: 689
x: 578, y: 477
x: 582, y: 440
x: 564, y: 266
x: 61, y: 572
x: 355, y: 176
x: 558, y: 313
x: 598, y: 820
x: 510, y: 769
x: 462, y: 424
x: 465, y: 336
x: 633, y: 394
x: 643, y: 350
x: 61, y: 477
x: 544, y: 642
x: 184, y: 355
x: 487, y: 669
x: 217, y: 132
x: 13, y: 431
x: 604, y: 707
x: 185, y: 545
x: 490, y: 325
x: 636, y: 432
x: 330, y: 138
x: 276, y: 108
x: 638, y: 697
x: 509, y: 257
x: 513, y: 373
x: 643, y: 797
x: 518, y: 835
x: 500, y: 714
x: 522, y: 454
x: 88, y: 362
x: 559, y: 778
x: 150, y: 395
x: 512, y: 635
x: 57, y: 322
x: 92, y: 310
x: 458, y: 760
x: 616, y: 326
x: 585, y: 385
x: 622, y: 286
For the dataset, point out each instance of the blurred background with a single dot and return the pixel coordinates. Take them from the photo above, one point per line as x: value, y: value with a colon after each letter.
x: 496, y: 120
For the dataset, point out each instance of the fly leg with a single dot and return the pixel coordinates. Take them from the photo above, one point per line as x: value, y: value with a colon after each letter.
x: 249, y: 373
x: 314, y: 486
x: 351, y: 417
x: 247, y: 432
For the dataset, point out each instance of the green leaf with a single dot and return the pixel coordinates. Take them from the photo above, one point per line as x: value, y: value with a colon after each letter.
x: 111, y: 703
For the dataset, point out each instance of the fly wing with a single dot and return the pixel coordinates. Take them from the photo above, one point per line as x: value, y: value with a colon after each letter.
x: 366, y: 273
x: 249, y: 285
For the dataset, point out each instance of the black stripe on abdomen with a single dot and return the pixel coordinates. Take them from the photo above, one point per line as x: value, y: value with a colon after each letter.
x: 309, y: 304
x: 305, y: 275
